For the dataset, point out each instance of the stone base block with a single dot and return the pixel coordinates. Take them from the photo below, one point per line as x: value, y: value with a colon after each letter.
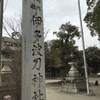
x: 74, y: 87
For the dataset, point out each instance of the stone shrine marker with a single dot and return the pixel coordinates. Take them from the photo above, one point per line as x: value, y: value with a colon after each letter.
x: 33, y: 71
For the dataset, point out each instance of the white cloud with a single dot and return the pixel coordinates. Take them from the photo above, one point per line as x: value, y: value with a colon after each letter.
x: 11, y: 7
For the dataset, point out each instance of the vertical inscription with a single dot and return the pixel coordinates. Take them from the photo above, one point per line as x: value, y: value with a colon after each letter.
x: 37, y: 48
x: 34, y: 69
x: 38, y: 96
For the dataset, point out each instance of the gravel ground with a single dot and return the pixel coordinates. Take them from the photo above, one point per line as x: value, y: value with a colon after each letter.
x: 53, y: 91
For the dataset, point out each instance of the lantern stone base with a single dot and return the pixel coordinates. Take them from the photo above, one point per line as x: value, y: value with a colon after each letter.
x: 73, y: 87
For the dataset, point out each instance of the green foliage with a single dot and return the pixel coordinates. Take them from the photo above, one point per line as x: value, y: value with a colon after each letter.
x: 67, y: 32
x: 81, y: 71
x: 92, y: 17
x: 66, y: 35
x: 61, y: 48
x: 91, y: 3
x: 64, y: 71
x: 93, y: 58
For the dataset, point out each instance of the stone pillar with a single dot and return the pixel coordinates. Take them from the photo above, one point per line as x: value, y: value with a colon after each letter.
x: 33, y: 70
x: 73, y: 82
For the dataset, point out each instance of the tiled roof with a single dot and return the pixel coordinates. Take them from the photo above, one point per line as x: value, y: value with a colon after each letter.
x: 9, y: 39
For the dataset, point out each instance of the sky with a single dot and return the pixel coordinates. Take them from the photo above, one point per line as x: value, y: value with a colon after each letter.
x: 55, y: 13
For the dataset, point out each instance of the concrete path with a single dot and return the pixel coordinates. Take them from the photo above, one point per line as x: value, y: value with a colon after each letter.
x: 53, y: 91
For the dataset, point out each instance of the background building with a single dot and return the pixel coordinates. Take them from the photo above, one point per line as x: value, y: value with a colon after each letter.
x: 9, y: 47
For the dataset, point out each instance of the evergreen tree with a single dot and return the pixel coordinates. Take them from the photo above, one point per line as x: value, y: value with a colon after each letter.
x: 92, y: 18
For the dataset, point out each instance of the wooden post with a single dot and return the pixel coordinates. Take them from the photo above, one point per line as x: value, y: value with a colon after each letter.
x: 33, y: 70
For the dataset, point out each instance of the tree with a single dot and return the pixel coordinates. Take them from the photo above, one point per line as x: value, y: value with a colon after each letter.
x: 92, y: 18
x: 65, y: 44
x: 51, y: 56
x: 66, y: 37
x: 93, y: 58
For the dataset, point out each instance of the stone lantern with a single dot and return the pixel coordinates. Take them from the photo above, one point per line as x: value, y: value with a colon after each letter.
x: 73, y: 82
x: 6, y: 74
